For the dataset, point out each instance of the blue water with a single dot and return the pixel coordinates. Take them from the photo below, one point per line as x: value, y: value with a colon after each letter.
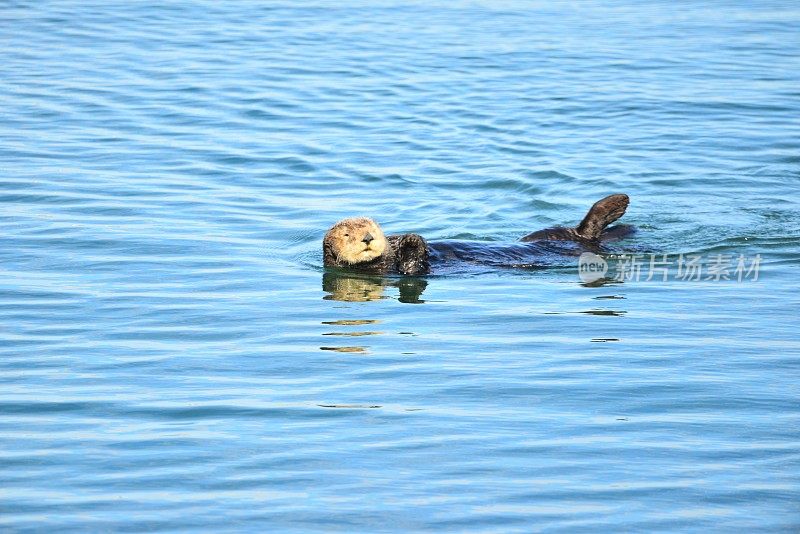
x: 174, y: 357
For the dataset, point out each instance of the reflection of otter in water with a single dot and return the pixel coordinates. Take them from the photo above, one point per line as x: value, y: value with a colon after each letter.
x: 355, y: 287
x: 360, y: 244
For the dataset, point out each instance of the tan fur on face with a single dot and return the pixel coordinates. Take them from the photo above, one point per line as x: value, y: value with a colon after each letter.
x: 347, y: 240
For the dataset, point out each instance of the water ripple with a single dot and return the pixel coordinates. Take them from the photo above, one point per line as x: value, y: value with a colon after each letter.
x: 174, y: 357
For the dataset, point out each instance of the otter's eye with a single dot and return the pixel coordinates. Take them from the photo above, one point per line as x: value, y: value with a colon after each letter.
x: 347, y: 235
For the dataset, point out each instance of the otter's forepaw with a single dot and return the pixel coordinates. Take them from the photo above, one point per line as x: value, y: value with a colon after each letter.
x: 412, y: 255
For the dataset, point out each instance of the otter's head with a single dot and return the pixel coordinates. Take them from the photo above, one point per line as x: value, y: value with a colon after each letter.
x: 355, y: 241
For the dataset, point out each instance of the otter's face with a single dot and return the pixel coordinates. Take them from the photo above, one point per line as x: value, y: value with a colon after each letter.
x: 356, y: 241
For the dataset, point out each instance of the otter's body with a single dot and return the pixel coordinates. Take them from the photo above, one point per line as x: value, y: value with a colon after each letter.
x: 360, y: 244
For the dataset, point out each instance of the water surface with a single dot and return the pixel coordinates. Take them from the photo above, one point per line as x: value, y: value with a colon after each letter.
x: 175, y: 358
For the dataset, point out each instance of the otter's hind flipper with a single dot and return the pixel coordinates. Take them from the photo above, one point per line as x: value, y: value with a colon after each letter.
x: 601, y: 214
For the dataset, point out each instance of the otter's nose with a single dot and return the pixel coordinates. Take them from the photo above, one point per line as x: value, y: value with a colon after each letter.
x: 367, y: 238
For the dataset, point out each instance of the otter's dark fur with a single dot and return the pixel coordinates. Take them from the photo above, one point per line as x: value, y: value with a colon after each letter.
x: 410, y: 254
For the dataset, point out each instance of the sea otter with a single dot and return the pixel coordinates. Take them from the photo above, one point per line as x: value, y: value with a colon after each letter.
x: 360, y: 244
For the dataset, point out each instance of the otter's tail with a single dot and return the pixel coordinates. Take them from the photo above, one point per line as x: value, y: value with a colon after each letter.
x: 601, y: 214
